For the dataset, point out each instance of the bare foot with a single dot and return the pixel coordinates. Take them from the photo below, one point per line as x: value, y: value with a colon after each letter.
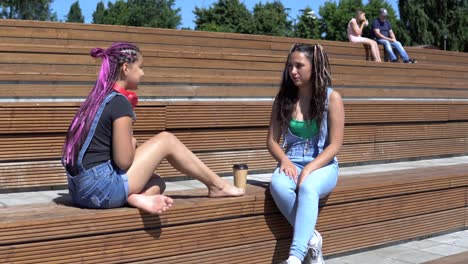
x: 153, y: 204
x: 227, y: 190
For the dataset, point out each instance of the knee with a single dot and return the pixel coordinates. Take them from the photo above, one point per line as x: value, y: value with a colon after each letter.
x: 276, y: 181
x: 165, y: 136
x: 279, y: 183
x: 397, y: 45
x: 164, y: 142
x: 309, y: 190
x: 384, y: 42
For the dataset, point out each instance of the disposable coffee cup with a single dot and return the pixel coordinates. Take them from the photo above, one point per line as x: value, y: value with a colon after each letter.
x: 240, y: 175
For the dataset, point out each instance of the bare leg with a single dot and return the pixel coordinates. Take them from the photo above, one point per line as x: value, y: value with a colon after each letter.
x: 374, y: 48
x: 155, y: 185
x: 165, y: 145
x: 375, y: 51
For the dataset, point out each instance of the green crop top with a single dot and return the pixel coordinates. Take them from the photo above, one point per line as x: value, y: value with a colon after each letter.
x: 303, y: 129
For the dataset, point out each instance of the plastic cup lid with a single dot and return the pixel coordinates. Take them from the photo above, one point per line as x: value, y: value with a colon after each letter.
x: 240, y: 167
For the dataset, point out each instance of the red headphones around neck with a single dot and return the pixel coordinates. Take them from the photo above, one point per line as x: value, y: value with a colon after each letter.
x: 131, y: 96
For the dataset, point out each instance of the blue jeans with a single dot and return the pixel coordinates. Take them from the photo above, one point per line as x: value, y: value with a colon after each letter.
x: 388, y: 46
x: 300, y: 207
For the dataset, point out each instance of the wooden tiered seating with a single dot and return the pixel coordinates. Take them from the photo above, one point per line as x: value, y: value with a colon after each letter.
x: 364, y: 210
x: 459, y: 258
x: 225, y: 133
x: 214, y: 91
x: 89, y: 36
x: 36, y: 73
x: 42, y: 74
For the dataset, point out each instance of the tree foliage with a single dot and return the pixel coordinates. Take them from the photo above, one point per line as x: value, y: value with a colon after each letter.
x: 271, y: 19
x: 140, y: 13
x: 428, y: 22
x: 99, y: 13
x: 308, y: 25
x: 225, y: 16
x: 335, y: 18
x: 27, y: 9
x: 75, y: 15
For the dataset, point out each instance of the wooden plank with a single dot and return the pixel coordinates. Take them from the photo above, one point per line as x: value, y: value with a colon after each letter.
x: 57, y: 119
x: 113, y: 248
x: 426, y: 84
x: 459, y: 258
x: 41, y: 173
x: 58, y: 221
x: 159, y: 62
x: 71, y: 90
x: 385, y: 208
x: 60, y: 54
x: 379, y: 113
x: 264, y: 252
x: 64, y: 222
x: 397, y: 182
x: 358, y: 237
x: 229, y: 115
x: 40, y: 146
x: 207, y: 64
x: 253, y: 231
x: 364, y: 212
x: 97, y: 32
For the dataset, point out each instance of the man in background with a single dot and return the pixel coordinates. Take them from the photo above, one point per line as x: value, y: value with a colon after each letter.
x: 384, y: 35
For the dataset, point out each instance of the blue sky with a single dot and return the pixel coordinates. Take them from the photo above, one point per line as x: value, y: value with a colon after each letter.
x: 187, y: 6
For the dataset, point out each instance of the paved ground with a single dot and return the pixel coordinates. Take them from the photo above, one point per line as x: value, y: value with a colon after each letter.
x: 411, y: 252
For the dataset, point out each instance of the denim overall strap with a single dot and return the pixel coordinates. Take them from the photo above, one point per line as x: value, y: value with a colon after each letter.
x: 92, y: 129
x: 323, y: 134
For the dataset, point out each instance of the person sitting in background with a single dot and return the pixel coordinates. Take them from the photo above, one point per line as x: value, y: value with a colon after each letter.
x: 384, y: 35
x: 355, y: 27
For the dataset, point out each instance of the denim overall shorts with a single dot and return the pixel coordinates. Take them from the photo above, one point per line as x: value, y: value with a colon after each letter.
x: 102, y: 186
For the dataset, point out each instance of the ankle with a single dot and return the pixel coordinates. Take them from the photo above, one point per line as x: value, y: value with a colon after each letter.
x: 294, y: 260
x: 217, y: 185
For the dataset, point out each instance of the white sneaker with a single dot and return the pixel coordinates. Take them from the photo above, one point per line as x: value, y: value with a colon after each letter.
x: 314, y: 251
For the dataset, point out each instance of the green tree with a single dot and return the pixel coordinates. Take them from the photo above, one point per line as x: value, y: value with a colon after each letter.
x: 308, y: 25
x: 99, y: 13
x: 153, y: 13
x: 75, y: 15
x: 271, y: 19
x: 335, y: 18
x: 429, y: 21
x: 141, y: 13
x: 225, y: 16
x: 27, y: 9
x: 115, y: 14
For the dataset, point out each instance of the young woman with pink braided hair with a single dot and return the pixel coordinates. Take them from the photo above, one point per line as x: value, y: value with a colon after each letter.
x: 104, y: 166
